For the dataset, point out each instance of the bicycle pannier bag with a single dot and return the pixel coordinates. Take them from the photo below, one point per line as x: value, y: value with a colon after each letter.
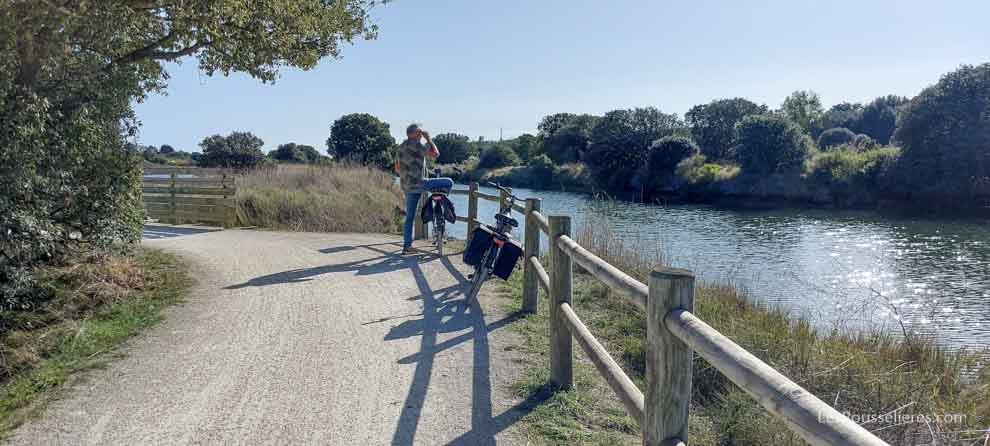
x: 507, y: 258
x: 480, y: 240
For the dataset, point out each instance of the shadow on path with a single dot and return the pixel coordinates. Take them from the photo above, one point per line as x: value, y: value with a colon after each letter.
x: 162, y: 231
x: 385, y: 263
x: 459, y: 315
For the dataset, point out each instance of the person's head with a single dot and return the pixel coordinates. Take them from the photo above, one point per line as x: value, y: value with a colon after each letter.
x: 414, y: 131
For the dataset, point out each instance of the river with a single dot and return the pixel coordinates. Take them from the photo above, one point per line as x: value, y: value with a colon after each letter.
x: 837, y: 268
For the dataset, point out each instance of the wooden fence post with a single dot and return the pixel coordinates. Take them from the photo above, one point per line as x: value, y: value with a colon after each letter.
x: 561, y: 365
x: 668, y: 360
x: 472, y: 206
x: 531, y: 287
x: 172, y: 202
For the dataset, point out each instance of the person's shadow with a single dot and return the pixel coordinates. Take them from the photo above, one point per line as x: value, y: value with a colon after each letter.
x: 385, y: 263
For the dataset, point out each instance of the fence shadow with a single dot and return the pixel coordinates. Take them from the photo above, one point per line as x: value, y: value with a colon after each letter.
x: 163, y: 231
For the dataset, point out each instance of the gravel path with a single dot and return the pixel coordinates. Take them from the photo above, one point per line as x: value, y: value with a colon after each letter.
x: 295, y: 338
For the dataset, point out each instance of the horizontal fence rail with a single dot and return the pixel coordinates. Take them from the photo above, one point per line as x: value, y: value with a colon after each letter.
x: 189, y: 195
x: 674, y: 335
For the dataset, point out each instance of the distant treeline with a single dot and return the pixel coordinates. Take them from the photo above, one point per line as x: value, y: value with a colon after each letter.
x: 930, y: 150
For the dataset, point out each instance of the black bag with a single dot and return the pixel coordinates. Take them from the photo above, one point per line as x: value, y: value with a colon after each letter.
x: 444, y: 205
x: 478, y: 243
x: 449, y: 213
x: 507, y: 257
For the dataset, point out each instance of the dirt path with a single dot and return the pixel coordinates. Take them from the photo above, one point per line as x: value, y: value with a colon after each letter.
x: 294, y: 338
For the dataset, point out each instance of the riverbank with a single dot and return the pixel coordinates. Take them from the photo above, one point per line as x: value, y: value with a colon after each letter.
x: 96, y: 305
x: 861, y: 373
x: 837, y: 179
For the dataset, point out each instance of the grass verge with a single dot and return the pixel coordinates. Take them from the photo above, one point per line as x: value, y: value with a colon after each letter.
x: 97, y: 304
x: 923, y: 394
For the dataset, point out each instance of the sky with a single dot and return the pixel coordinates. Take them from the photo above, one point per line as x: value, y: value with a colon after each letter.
x: 481, y: 68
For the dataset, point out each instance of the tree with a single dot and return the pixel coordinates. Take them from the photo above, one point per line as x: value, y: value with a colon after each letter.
x: 804, y: 108
x: 620, y: 143
x: 295, y: 153
x: 835, y: 137
x: 526, y: 146
x: 498, y: 155
x: 69, y: 75
x: 361, y: 138
x: 880, y: 118
x: 454, y: 148
x: 944, y: 134
x: 239, y: 150
x: 845, y: 115
x: 166, y: 149
x: 770, y: 144
x: 713, y: 125
x: 565, y: 136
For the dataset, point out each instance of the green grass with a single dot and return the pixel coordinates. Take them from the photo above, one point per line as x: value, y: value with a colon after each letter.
x: 98, y: 305
x: 858, y: 372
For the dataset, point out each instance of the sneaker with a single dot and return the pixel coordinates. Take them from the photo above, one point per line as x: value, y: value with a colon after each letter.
x: 406, y: 250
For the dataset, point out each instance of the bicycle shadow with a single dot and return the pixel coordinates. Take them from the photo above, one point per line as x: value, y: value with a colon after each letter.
x: 442, y: 313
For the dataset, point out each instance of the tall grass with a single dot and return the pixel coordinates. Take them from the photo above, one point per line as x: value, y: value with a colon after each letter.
x: 863, y: 373
x: 334, y: 198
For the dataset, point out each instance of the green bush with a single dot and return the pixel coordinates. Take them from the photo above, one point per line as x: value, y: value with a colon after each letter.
x: 770, y: 144
x: 945, y: 135
x: 295, y: 153
x: 498, y: 155
x: 846, y: 172
x: 542, y: 170
x: 864, y: 142
x: 835, y: 137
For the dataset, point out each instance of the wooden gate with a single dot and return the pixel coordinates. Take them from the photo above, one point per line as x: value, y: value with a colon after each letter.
x: 190, y: 195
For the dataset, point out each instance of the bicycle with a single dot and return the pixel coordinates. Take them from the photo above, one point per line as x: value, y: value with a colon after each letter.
x: 437, y: 198
x: 500, y: 235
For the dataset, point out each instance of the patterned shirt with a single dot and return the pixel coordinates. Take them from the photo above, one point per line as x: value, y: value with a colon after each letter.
x: 412, y: 164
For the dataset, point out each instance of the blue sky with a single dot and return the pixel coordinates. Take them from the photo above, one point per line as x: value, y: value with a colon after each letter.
x: 475, y: 67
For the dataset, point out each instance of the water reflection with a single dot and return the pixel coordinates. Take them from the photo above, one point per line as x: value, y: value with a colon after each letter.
x: 836, y: 267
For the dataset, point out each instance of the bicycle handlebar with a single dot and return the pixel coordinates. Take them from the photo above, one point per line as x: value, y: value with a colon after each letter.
x: 508, y: 192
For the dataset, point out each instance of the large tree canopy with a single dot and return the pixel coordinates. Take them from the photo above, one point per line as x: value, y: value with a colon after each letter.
x: 454, y: 148
x: 713, y: 125
x: 770, y: 144
x: 804, y: 108
x: 620, y: 143
x: 69, y: 73
x: 361, y: 138
x: 565, y: 136
x: 945, y: 136
x: 239, y: 150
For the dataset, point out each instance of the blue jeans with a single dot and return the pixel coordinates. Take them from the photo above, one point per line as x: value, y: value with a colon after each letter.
x: 412, y: 205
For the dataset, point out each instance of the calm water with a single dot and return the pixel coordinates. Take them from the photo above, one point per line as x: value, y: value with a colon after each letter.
x: 835, y: 267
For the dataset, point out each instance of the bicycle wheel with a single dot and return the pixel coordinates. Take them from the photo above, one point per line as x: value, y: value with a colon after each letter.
x: 480, y: 276
x: 441, y: 236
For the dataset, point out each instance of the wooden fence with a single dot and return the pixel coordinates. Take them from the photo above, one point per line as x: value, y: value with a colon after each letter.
x: 674, y: 335
x: 190, y: 195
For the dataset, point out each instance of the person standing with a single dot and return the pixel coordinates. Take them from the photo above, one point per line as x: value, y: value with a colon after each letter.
x: 411, y: 168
